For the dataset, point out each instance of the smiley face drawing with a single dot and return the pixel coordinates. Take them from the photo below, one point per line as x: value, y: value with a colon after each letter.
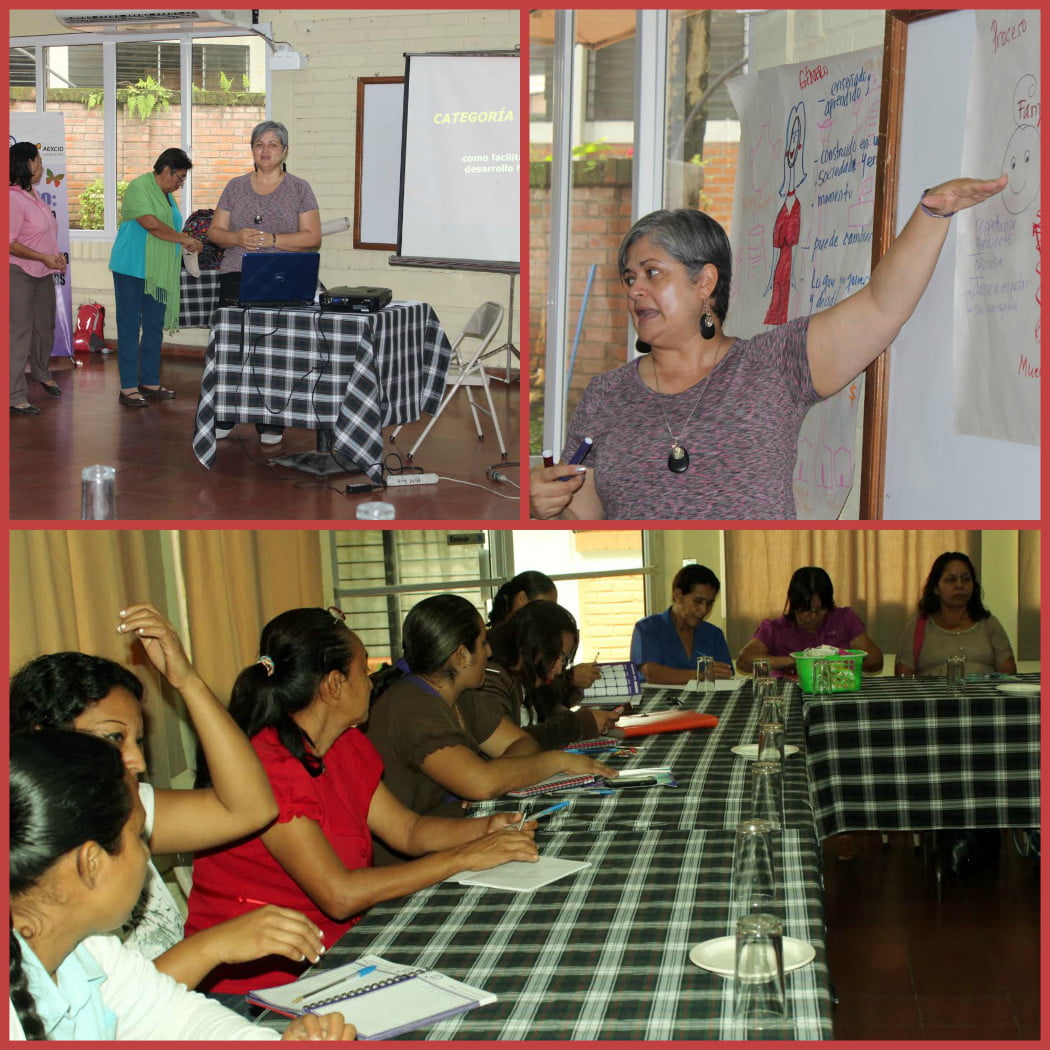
x: 1021, y: 159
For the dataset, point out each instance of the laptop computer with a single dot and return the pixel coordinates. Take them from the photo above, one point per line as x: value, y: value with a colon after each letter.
x: 279, y: 278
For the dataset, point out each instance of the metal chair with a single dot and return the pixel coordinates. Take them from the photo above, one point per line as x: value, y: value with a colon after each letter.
x: 482, y: 326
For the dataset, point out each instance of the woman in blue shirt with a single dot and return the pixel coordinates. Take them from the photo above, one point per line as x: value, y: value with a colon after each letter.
x: 665, y: 646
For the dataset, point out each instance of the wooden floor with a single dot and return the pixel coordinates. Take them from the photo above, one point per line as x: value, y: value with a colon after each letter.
x: 907, y: 967
x: 159, y: 478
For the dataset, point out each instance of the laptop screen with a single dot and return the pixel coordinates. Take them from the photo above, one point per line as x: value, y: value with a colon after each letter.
x: 279, y: 277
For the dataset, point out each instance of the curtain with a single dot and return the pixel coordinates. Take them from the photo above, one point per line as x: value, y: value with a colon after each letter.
x: 66, y: 588
x: 879, y: 573
x: 1028, y: 563
x: 234, y: 583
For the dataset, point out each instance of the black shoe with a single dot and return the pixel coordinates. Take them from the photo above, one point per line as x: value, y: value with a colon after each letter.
x: 52, y: 388
x: 134, y: 400
x: 160, y: 393
x: 25, y: 410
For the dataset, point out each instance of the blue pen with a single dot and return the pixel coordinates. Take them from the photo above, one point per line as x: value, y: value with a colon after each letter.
x: 324, y: 987
x: 579, y: 455
x: 545, y: 812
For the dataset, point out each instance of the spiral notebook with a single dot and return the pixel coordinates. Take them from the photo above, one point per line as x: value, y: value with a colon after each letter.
x: 558, y: 782
x: 389, y: 1000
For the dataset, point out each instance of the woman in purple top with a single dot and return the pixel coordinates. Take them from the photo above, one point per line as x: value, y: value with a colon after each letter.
x: 705, y: 425
x: 268, y: 210
x: 810, y: 618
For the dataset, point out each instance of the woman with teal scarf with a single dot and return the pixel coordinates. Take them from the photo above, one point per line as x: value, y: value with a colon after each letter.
x: 146, y: 263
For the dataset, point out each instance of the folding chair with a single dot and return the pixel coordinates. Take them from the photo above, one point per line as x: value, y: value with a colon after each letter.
x: 483, y: 325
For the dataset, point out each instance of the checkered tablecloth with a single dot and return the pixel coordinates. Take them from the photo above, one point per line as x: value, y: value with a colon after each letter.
x: 199, y: 298
x: 349, y: 373
x: 604, y: 954
x: 903, y: 755
x: 713, y: 783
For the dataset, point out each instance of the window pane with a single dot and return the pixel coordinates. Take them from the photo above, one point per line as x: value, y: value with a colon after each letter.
x: 606, y: 607
x: 600, y: 210
x: 229, y: 99
x: 73, y: 86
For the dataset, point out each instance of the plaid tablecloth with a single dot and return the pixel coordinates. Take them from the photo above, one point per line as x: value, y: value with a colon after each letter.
x: 902, y: 755
x: 604, y: 954
x: 199, y: 298
x: 352, y: 374
x: 713, y: 782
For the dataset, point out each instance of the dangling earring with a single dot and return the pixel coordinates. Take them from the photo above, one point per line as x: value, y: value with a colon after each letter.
x: 642, y: 348
x: 707, y: 324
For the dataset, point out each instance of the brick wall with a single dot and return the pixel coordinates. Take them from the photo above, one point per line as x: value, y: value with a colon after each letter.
x: 220, y: 135
x: 600, y: 216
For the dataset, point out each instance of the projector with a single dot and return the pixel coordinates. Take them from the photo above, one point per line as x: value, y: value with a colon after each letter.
x: 355, y: 300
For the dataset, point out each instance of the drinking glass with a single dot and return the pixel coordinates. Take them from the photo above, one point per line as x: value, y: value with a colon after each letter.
x: 767, y: 793
x: 771, y: 742
x: 705, y: 675
x: 760, y: 667
x: 955, y: 674
x: 754, y: 881
x: 98, y: 497
x: 759, y: 995
x: 768, y: 700
x: 822, y: 678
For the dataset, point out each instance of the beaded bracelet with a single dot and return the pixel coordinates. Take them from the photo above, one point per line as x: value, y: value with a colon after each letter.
x: 932, y: 214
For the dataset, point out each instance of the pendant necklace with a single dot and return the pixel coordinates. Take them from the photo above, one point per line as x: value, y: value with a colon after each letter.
x: 678, y: 458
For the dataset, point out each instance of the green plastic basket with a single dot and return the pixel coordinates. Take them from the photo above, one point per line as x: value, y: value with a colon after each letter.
x: 845, y: 670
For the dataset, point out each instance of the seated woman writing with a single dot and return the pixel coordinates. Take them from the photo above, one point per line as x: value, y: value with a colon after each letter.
x: 78, y: 861
x: 952, y: 619
x: 98, y: 696
x: 531, y: 586
x: 441, y: 742
x: 665, y: 646
x: 530, y: 653
x: 300, y: 704
x: 810, y: 618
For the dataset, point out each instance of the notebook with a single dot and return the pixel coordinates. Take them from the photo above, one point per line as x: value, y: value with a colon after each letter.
x: 665, y: 722
x: 521, y: 876
x: 619, y: 683
x: 389, y: 1001
x: 279, y: 278
x: 558, y: 782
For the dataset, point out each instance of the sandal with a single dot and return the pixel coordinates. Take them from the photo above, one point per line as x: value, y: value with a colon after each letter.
x: 160, y: 393
x: 134, y: 400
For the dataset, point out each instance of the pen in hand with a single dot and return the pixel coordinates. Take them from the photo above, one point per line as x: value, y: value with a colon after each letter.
x: 545, y: 812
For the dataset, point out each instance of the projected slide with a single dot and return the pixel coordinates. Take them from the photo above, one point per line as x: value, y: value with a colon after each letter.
x: 461, y: 196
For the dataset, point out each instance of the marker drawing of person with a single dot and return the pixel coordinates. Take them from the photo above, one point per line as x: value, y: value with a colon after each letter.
x: 788, y: 225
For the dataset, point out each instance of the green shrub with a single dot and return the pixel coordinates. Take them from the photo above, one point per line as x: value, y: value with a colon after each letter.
x: 92, y: 215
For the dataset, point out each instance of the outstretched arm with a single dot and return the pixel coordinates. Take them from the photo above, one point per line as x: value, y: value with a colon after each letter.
x: 846, y: 338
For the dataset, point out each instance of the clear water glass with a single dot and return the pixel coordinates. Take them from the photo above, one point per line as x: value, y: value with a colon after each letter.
x: 754, y: 886
x: 760, y: 667
x: 705, y: 675
x: 759, y: 993
x: 98, y: 495
x: 767, y: 793
x: 955, y: 674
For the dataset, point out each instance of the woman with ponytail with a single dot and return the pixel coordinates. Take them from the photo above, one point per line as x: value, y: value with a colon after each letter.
x: 531, y: 652
x: 78, y: 861
x: 300, y: 704
x: 72, y: 690
x: 444, y: 744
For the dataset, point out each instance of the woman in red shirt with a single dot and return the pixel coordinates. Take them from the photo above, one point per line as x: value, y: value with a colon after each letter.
x: 300, y: 704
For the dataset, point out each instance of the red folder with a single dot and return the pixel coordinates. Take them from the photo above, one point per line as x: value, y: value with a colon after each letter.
x: 665, y: 722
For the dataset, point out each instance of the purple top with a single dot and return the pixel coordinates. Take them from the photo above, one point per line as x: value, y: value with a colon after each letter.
x: 783, y: 636
x: 741, y: 441
x: 278, y: 211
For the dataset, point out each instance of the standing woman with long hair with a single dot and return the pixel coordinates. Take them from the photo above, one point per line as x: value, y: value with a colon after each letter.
x: 443, y: 744
x: 300, y: 704
x: 530, y: 653
x: 34, y: 259
x: 78, y: 860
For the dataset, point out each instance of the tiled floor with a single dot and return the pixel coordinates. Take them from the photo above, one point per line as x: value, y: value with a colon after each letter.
x: 159, y: 478
x: 907, y: 967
